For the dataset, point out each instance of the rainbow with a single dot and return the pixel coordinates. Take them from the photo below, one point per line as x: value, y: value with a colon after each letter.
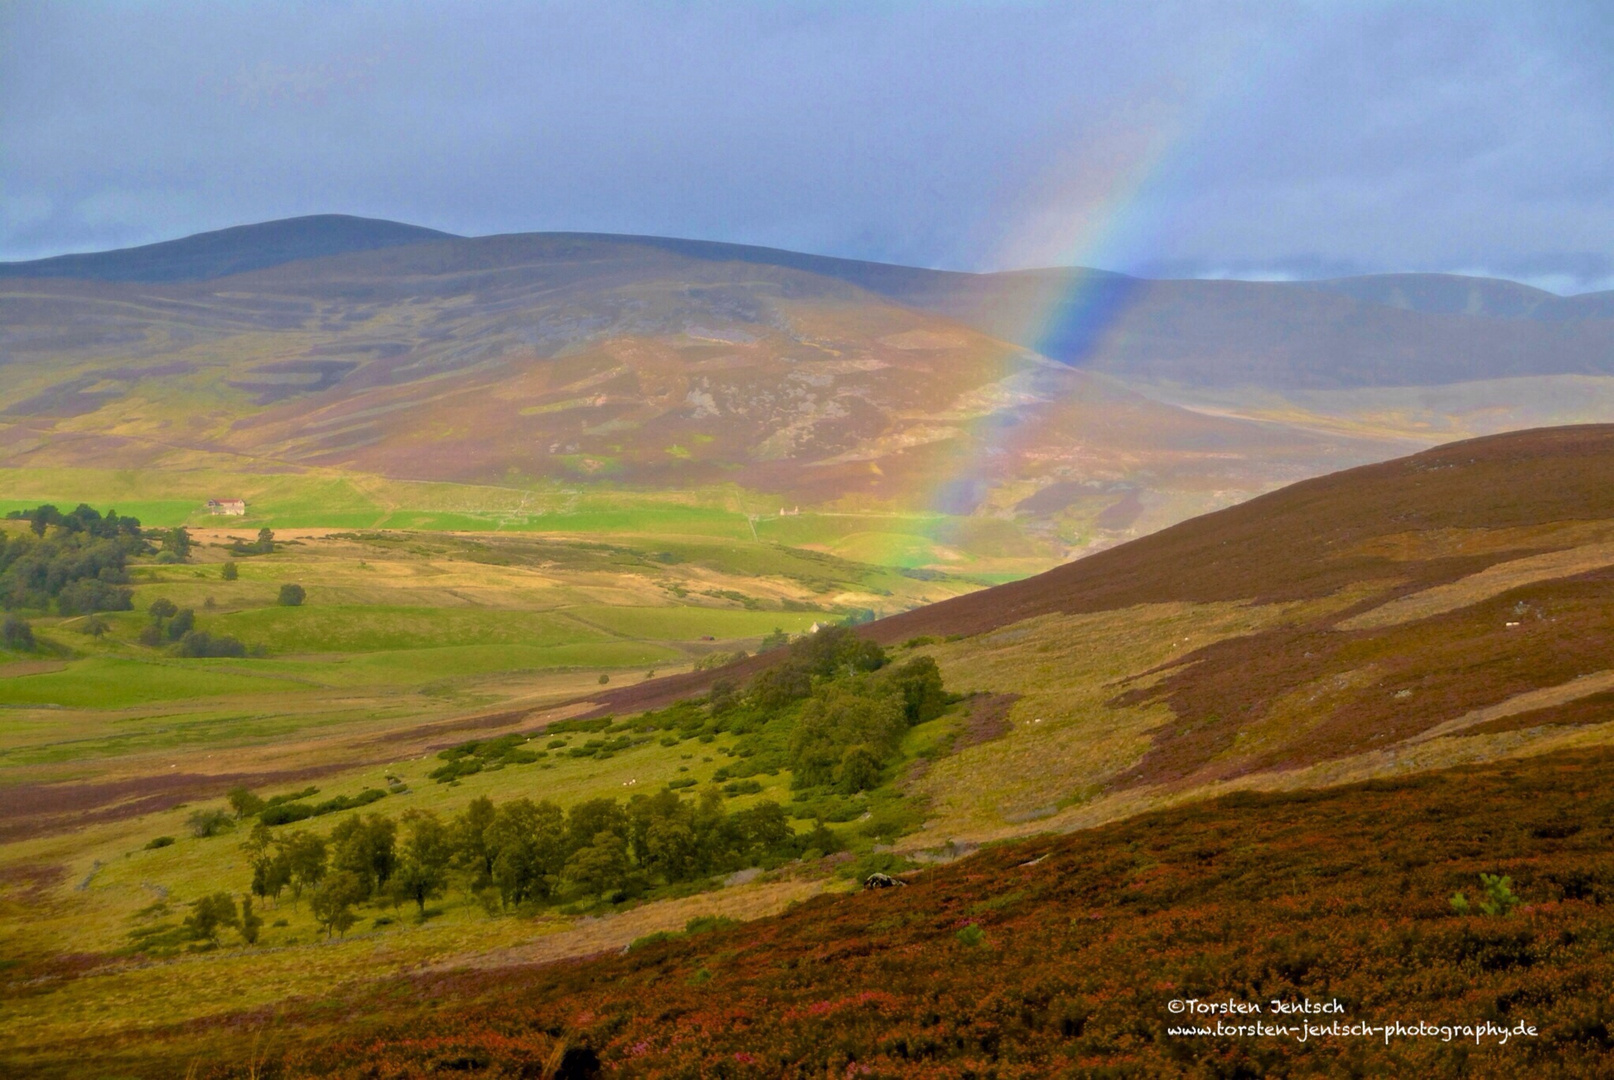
x: 1099, y: 205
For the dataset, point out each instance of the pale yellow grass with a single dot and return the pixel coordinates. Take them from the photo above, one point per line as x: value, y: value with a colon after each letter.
x: 141, y: 993
x: 587, y: 936
x: 1476, y: 588
x: 1066, y: 740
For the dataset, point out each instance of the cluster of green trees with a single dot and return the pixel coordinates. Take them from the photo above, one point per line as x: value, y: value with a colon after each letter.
x: 834, y: 712
x: 264, y: 545
x: 17, y: 634
x: 176, y: 545
x: 81, y: 519
x: 523, y: 852
x: 176, y: 626
x: 75, y: 560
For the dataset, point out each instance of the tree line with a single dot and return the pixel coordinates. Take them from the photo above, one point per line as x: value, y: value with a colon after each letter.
x: 522, y: 852
x: 76, y: 561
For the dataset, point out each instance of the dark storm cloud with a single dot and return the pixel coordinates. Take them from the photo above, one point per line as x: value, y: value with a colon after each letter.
x: 1191, y: 138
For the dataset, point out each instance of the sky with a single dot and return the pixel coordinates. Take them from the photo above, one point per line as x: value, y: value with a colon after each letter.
x: 1211, y: 138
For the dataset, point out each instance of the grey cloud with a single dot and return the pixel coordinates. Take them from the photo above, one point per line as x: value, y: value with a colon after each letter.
x: 1248, y: 138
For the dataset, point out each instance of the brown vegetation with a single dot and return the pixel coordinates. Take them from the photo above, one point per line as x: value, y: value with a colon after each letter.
x: 1058, y: 956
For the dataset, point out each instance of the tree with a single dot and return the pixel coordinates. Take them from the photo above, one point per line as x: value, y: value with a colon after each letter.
x: 305, y: 860
x: 16, y: 634
x: 670, y: 849
x: 178, y: 543
x: 271, y: 868
x: 599, y: 868
x: 244, y: 802
x: 266, y: 541
x: 427, y: 850
x: 470, y: 841
x: 837, y: 650
x: 590, y: 818
x: 332, y: 903
x: 205, y: 823
x: 779, y: 686
x: 95, y: 626
x: 838, y: 718
x: 251, y: 922
x: 162, y: 608
x: 229, y: 571
x: 43, y: 517
x: 859, y: 770
x: 723, y: 696
x: 270, y: 874
x: 201, y: 643
x: 183, y: 622
x: 527, y: 844
x: 765, y: 827
x: 87, y: 595
x: 292, y: 595
x: 367, y: 849
x: 210, y: 915
x: 920, y: 683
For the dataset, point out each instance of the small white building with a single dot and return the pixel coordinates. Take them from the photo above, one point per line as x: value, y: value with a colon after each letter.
x: 230, y: 507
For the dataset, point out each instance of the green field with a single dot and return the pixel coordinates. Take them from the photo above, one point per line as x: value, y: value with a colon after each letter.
x: 472, y: 621
x: 738, y: 519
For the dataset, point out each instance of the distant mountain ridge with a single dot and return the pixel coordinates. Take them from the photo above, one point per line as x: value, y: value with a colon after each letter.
x: 1376, y: 330
x: 1092, y: 407
x: 223, y: 252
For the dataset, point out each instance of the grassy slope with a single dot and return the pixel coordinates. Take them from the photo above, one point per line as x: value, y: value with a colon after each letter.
x: 526, y: 363
x: 1261, y: 648
x: 407, y: 643
x: 1079, y: 944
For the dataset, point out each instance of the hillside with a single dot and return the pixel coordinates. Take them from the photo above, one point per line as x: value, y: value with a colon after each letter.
x: 1448, y: 606
x: 228, y: 251
x: 1057, y: 956
x: 1432, y: 632
x: 539, y: 360
x: 1061, y: 410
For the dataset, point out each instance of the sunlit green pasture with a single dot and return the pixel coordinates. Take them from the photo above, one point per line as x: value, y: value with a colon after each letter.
x: 328, y: 499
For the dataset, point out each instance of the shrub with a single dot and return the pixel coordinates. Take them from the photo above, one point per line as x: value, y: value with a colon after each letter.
x: 244, y: 802
x: 229, y: 571
x: 292, y: 595
x: 204, y: 823
x: 333, y: 902
x: 177, y: 542
x: 89, y: 595
x: 1499, y: 897
x: 250, y: 923
x: 972, y: 936
x: 211, y: 914
x: 183, y: 622
x: 199, y: 643
x: 16, y: 634
x: 159, y: 842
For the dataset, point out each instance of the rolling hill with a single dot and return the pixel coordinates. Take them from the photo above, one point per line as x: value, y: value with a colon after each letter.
x: 1064, y: 409
x: 1448, y: 606
x: 228, y: 251
x: 1280, y: 739
x: 552, y: 359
